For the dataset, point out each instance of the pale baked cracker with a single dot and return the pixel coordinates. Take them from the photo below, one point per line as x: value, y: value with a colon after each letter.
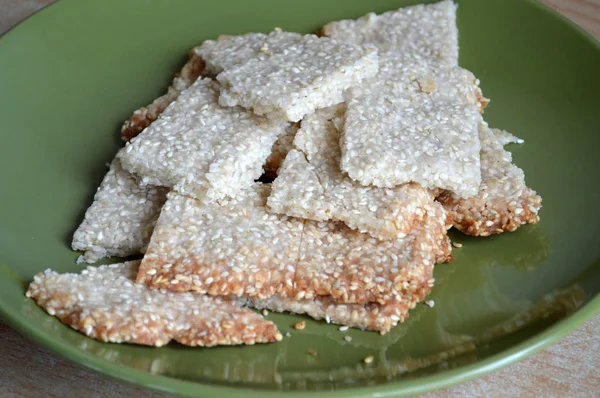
x: 311, y: 185
x: 424, y: 30
x: 232, y: 247
x: 121, y: 219
x: 202, y: 149
x: 290, y: 81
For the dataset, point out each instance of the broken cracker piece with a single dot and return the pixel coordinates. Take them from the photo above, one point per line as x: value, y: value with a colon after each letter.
x: 200, y: 148
x: 106, y: 304
x: 121, y: 219
x: 141, y: 118
x: 280, y: 149
x: 422, y: 136
x: 504, y: 201
x: 311, y: 185
x: 295, y: 79
x: 424, y: 30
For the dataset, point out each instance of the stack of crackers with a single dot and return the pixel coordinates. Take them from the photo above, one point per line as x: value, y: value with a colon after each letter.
x: 314, y: 174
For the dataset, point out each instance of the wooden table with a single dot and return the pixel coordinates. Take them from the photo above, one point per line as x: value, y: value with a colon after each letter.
x: 570, y: 368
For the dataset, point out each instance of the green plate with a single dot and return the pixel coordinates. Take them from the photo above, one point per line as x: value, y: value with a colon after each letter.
x: 72, y: 73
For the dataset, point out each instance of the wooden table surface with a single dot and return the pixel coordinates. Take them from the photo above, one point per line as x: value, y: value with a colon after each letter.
x: 570, y: 368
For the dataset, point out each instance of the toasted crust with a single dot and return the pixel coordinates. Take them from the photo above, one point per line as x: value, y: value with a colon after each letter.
x: 141, y: 118
x: 504, y: 201
x: 311, y: 185
x: 106, y: 304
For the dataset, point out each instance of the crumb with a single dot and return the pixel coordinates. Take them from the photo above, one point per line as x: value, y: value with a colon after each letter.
x: 312, y: 353
x: 265, y: 312
x: 368, y: 359
x: 287, y: 334
x: 300, y: 325
x: 348, y: 338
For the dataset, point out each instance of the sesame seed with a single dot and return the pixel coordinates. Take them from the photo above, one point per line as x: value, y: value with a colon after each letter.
x: 457, y: 244
x: 343, y: 328
x: 348, y: 338
x: 430, y: 303
x: 368, y: 359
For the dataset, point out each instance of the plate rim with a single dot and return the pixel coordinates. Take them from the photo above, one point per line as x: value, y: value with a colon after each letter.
x: 443, y: 379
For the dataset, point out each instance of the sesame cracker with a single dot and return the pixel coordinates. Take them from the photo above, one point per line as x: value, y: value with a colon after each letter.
x: 353, y: 267
x: 121, y: 219
x: 238, y: 247
x: 231, y: 247
x: 106, y: 304
x: 294, y: 79
x: 414, y: 122
x: 200, y: 148
x: 229, y: 51
x: 427, y: 31
x: 142, y: 117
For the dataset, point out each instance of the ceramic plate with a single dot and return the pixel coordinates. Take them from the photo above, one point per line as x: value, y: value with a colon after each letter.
x: 72, y: 73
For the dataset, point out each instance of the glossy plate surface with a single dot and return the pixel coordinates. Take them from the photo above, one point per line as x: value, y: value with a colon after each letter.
x: 72, y: 73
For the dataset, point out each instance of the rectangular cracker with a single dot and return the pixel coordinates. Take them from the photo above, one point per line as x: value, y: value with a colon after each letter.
x: 229, y: 51
x: 121, y: 219
x: 504, y: 201
x: 424, y: 30
x: 292, y: 80
x: 200, y: 148
x: 414, y: 122
x: 141, y: 118
x: 106, y: 304
x: 238, y: 247
x: 232, y: 247
x: 311, y: 185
